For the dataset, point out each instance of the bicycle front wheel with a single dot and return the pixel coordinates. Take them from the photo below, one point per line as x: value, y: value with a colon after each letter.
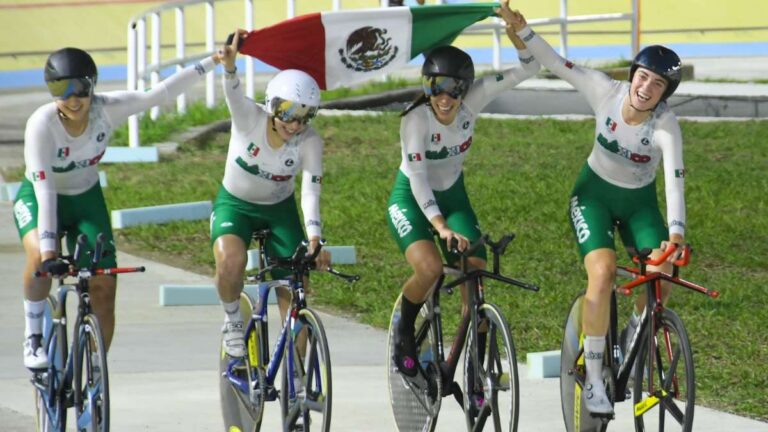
x: 493, y: 395
x: 309, y: 407
x: 415, y: 409
x: 572, y: 372
x: 91, y: 377
x: 665, y: 400
x: 242, y: 404
x: 50, y: 401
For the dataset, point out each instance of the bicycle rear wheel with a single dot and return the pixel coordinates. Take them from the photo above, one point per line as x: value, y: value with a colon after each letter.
x: 91, y: 377
x: 671, y: 390
x: 310, y: 408
x: 50, y: 401
x: 243, y: 409
x: 497, y: 378
x: 572, y: 372
x: 415, y: 409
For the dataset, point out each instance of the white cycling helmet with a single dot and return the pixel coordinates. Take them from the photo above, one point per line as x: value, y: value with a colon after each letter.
x: 293, y: 95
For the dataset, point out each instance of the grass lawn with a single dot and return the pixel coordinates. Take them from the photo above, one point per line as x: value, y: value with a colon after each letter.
x: 519, y: 175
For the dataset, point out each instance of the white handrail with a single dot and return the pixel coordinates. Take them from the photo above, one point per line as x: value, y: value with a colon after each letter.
x: 140, y: 74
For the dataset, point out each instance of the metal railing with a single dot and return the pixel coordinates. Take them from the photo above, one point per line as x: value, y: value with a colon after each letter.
x: 139, y: 72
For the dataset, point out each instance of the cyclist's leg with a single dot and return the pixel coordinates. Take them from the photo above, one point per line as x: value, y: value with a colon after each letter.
x: 287, y: 233
x: 646, y: 229
x: 36, y: 290
x: 592, y: 224
x: 410, y: 229
x: 231, y: 232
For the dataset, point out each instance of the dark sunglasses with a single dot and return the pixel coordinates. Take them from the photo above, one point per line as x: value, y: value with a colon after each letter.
x: 289, y: 111
x: 437, y: 85
x: 64, y: 88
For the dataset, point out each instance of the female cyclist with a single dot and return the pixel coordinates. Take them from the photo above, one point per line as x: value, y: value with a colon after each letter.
x: 269, y: 146
x: 436, y: 134
x: 63, y: 142
x: 634, y: 131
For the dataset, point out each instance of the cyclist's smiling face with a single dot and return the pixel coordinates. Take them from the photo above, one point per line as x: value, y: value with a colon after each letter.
x: 74, y: 108
x: 445, y: 107
x: 646, y: 89
x: 287, y: 130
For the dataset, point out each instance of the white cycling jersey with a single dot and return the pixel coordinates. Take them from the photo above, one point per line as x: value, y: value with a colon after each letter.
x: 257, y: 173
x: 624, y: 155
x: 433, y: 153
x: 57, y: 163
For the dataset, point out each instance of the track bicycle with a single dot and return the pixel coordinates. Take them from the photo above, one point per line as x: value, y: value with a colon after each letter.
x: 248, y: 382
x: 490, y: 380
x: 76, y: 375
x: 659, y: 357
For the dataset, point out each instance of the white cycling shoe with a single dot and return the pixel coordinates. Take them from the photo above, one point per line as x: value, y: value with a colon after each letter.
x: 596, y: 400
x: 234, y: 338
x: 35, y: 356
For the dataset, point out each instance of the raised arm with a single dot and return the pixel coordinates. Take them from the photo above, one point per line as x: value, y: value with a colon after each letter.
x: 485, y: 89
x: 241, y: 109
x: 594, y: 85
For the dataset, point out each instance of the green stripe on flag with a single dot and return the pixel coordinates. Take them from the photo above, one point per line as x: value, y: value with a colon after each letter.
x: 439, y: 25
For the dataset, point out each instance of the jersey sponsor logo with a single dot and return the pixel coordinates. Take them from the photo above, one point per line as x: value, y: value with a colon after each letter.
x: 63, y: 153
x: 226, y: 224
x: 446, y: 152
x: 465, y: 126
x: 569, y: 64
x: 676, y: 222
x: 429, y: 204
x: 414, y: 157
x: 253, y: 150
x: 680, y: 173
x: 399, y: 220
x: 645, y: 141
x: 529, y: 36
x: 254, y: 169
x: 22, y: 213
x: 199, y: 69
x: 80, y: 164
x: 368, y: 49
x: 100, y: 137
x: 435, y: 137
x: 579, y: 223
x: 47, y: 235
x: 317, y: 179
x: 616, y: 148
x: 38, y: 176
x: 289, y: 162
x: 610, y: 124
x: 312, y: 222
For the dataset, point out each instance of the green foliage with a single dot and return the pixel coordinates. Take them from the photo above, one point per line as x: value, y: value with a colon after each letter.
x: 519, y: 175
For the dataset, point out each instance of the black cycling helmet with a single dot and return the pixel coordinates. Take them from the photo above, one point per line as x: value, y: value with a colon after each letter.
x: 70, y: 63
x: 662, y: 61
x: 449, y: 61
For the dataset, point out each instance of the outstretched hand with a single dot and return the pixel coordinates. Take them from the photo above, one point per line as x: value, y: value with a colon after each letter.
x: 513, y: 18
x: 228, y: 52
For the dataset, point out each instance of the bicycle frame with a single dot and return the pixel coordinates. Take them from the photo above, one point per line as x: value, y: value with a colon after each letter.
x: 621, y: 369
x: 469, y: 321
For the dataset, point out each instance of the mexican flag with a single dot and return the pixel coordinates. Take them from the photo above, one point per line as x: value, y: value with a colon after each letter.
x: 347, y: 47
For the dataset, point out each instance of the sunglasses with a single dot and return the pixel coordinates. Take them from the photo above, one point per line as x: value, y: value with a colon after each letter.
x: 290, y: 111
x: 437, y: 85
x: 64, y: 88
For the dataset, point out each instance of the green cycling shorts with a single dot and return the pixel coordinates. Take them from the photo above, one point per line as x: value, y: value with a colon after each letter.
x: 596, y: 207
x: 408, y: 224
x: 85, y: 213
x: 231, y: 215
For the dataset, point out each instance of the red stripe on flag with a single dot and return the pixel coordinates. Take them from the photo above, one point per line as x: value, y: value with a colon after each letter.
x: 297, y: 43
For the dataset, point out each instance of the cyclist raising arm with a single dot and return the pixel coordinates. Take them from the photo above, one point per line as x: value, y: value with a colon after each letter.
x: 634, y: 131
x: 63, y: 142
x: 269, y: 146
x: 436, y: 133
